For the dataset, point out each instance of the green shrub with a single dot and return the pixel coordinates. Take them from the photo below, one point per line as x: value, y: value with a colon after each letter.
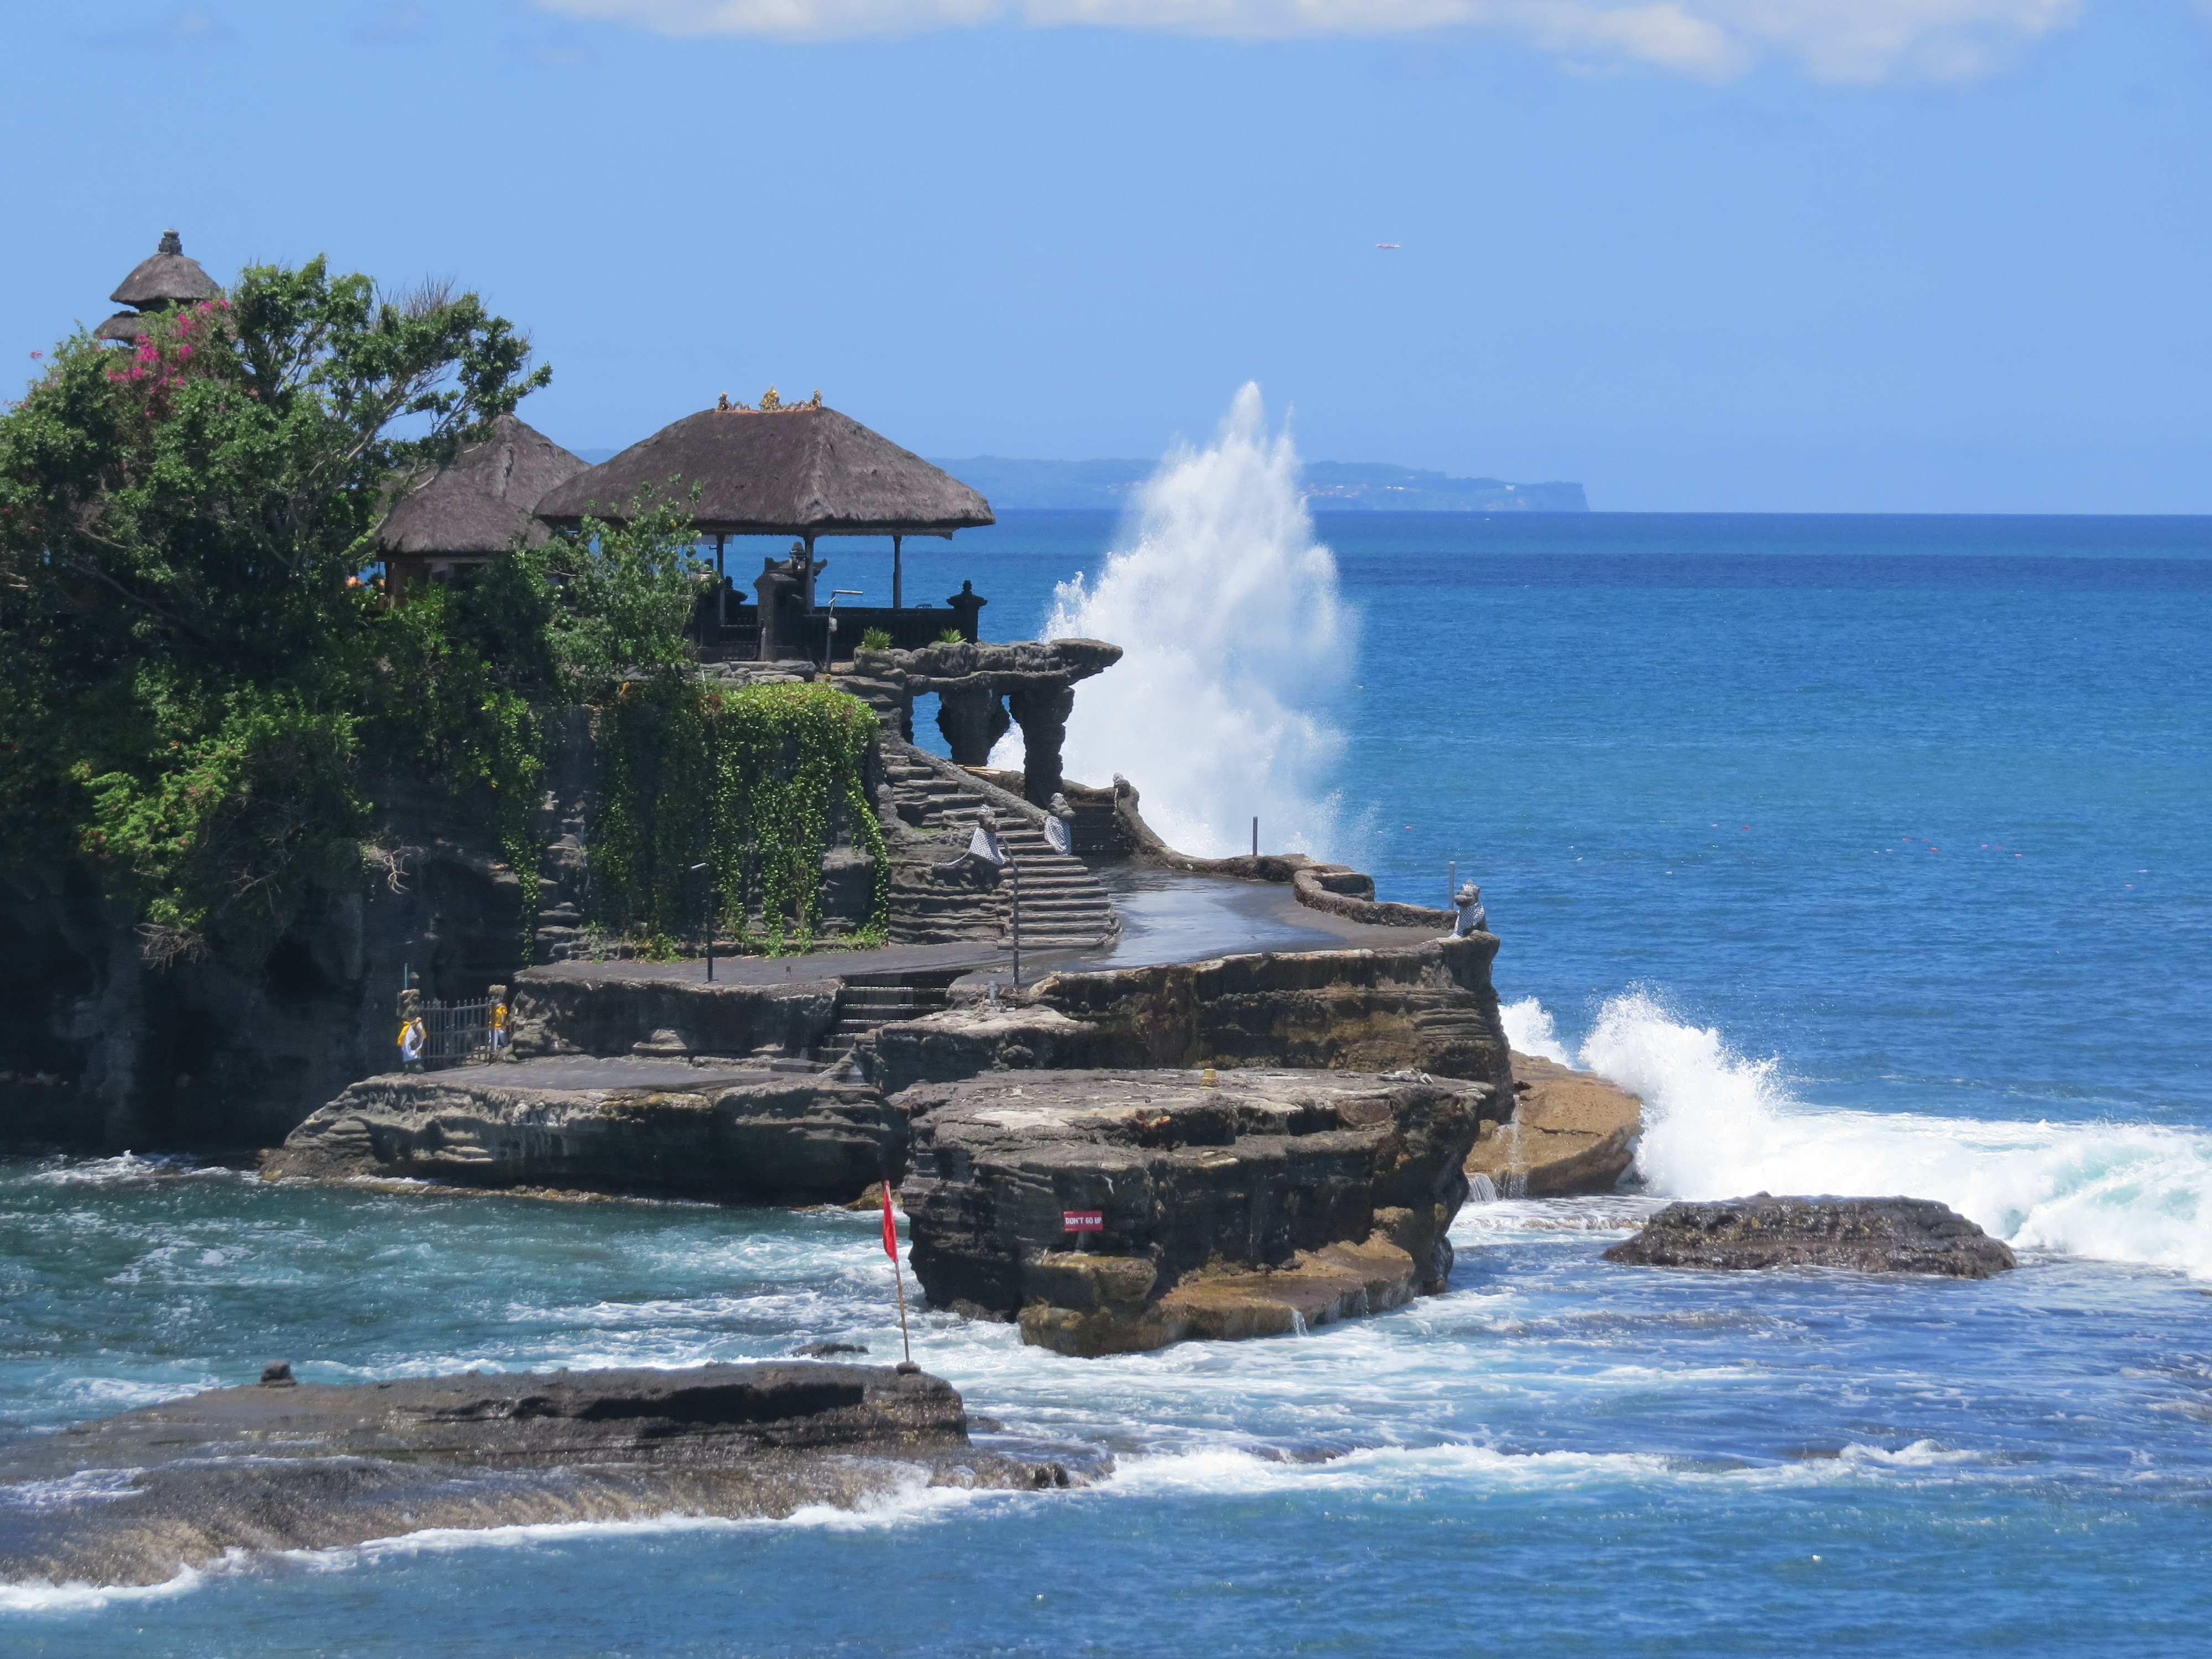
x: 951, y: 637
x: 876, y: 639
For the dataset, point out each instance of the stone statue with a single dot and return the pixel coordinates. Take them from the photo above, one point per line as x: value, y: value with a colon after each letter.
x: 1473, y: 918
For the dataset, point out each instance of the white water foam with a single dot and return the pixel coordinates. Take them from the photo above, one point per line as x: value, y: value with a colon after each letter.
x: 1720, y: 1125
x: 1231, y: 618
x: 1530, y: 1030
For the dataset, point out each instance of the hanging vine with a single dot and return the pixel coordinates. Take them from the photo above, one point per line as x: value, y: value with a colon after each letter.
x: 755, y: 784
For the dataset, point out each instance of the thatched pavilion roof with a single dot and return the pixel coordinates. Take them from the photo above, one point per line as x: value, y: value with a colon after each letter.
x: 797, y: 470
x: 480, y: 503
x: 166, y: 278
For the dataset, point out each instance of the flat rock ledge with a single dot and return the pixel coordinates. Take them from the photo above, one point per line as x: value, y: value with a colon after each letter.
x: 135, y: 1499
x: 625, y: 1126
x: 1871, y: 1235
x: 1256, y: 1204
x: 1572, y: 1133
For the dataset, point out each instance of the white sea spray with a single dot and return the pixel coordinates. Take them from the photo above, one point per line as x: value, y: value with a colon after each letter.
x: 1721, y: 1124
x: 1234, y: 628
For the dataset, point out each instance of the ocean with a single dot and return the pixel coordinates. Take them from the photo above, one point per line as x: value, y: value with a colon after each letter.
x: 1870, y: 851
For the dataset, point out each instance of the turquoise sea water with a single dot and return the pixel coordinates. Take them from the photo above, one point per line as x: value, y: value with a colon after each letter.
x: 1871, y: 851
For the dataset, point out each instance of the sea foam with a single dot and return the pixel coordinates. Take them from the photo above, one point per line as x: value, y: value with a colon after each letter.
x: 1720, y: 1124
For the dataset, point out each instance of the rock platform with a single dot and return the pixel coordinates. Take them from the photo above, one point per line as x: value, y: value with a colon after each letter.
x: 319, y: 1467
x: 1571, y: 1134
x: 1872, y: 1235
x: 734, y: 1135
x: 1248, y: 1204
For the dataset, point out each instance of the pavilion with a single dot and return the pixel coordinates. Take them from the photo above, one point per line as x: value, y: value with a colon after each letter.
x: 475, y: 509
x: 798, y: 470
x: 156, y: 284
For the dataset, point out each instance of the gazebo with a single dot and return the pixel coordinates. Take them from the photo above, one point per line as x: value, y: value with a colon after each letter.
x: 156, y: 284
x: 475, y: 507
x: 798, y: 470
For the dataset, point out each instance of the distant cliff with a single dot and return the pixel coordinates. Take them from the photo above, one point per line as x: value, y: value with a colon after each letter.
x: 1330, y: 486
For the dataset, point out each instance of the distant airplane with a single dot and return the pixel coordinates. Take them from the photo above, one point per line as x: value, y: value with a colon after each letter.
x: 1389, y: 245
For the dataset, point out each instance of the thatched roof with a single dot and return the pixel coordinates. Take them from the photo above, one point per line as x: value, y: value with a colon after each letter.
x: 800, y: 470
x: 480, y: 503
x: 165, y: 279
x: 124, y: 325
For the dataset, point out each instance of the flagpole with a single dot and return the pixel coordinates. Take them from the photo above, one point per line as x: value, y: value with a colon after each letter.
x: 898, y: 1279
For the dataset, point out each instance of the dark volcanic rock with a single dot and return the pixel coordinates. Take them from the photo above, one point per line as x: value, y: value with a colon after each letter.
x: 576, y: 1008
x: 1239, y: 1208
x: 649, y: 1126
x: 1429, y: 1007
x: 314, y: 1466
x: 1874, y: 1234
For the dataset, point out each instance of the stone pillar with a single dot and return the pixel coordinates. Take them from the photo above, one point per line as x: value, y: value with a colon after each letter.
x: 778, y: 589
x: 1042, y: 712
x: 964, y: 605
x: 972, y: 719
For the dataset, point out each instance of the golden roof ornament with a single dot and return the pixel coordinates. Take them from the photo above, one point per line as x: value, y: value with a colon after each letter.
x: 771, y: 401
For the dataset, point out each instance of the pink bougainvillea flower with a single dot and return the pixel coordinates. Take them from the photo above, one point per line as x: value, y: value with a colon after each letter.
x: 38, y: 353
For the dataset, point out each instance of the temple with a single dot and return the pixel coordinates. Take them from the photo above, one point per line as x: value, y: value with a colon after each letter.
x: 159, y: 283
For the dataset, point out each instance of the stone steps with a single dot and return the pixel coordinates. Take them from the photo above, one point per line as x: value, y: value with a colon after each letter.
x: 1063, y: 905
x: 870, y: 1001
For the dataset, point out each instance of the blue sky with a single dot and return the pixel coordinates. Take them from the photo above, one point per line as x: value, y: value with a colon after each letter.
x: 1855, y: 255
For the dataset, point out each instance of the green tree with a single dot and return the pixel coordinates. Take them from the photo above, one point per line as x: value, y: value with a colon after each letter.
x: 194, y: 681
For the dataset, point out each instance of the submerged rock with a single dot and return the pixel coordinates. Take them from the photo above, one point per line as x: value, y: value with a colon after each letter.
x: 1873, y: 1235
x: 1571, y: 1134
x: 1247, y: 1206
x: 137, y: 1497
x: 635, y: 1125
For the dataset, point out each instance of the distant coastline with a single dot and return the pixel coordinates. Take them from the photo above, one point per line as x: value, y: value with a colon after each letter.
x: 1330, y: 486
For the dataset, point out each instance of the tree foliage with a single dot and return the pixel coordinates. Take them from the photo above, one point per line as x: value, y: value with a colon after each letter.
x: 194, y: 685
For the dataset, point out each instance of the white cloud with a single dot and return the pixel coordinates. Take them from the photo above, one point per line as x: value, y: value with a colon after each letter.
x: 1843, y: 41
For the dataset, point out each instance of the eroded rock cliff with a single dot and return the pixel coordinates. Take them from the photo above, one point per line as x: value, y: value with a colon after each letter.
x: 1240, y: 1207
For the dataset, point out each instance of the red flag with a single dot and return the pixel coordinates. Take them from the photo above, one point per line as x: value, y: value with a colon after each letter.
x: 891, y: 1226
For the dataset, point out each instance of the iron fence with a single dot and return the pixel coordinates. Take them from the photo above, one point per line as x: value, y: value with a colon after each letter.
x: 457, y: 1033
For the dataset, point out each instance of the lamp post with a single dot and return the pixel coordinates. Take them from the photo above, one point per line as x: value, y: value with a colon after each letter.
x: 714, y: 892
x: 829, y: 651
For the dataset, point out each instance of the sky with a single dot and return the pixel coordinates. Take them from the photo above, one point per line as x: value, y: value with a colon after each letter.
x: 1713, y: 255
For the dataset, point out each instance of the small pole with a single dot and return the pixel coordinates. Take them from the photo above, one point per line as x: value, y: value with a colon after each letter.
x: 1255, y: 837
x: 1017, y: 869
x: 1451, y: 886
x: 721, y: 582
x: 897, y: 588
x: 714, y: 891
x: 898, y: 1279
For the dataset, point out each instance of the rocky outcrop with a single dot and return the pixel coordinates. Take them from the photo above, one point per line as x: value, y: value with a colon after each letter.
x: 219, y: 1054
x: 576, y: 1008
x: 1571, y: 1133
x: 1872, y: 1235
x: 636, y: 1127
x: 1429, y: 1007
x: 1244, y: 1206
x: 311, y: 1467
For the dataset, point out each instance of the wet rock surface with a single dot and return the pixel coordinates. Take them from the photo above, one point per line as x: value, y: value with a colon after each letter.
x: 637, y: 1126
x: 1872, y: 1235
x: 1572, y: 1133
x: 1244, y: 1207
x: 135, y: 1498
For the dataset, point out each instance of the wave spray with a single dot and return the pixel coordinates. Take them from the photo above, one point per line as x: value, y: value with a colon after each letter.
x: 1234, y: 626
x: 1719, y: 1124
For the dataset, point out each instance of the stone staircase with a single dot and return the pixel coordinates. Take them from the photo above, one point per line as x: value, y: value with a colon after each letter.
x: 870, y: 1001
x: 1063, y: 905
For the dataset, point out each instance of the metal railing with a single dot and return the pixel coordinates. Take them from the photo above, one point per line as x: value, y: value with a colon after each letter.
x: 457, y: 1033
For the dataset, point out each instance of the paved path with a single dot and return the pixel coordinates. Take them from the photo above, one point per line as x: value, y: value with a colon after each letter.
x: 1165, y: 917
